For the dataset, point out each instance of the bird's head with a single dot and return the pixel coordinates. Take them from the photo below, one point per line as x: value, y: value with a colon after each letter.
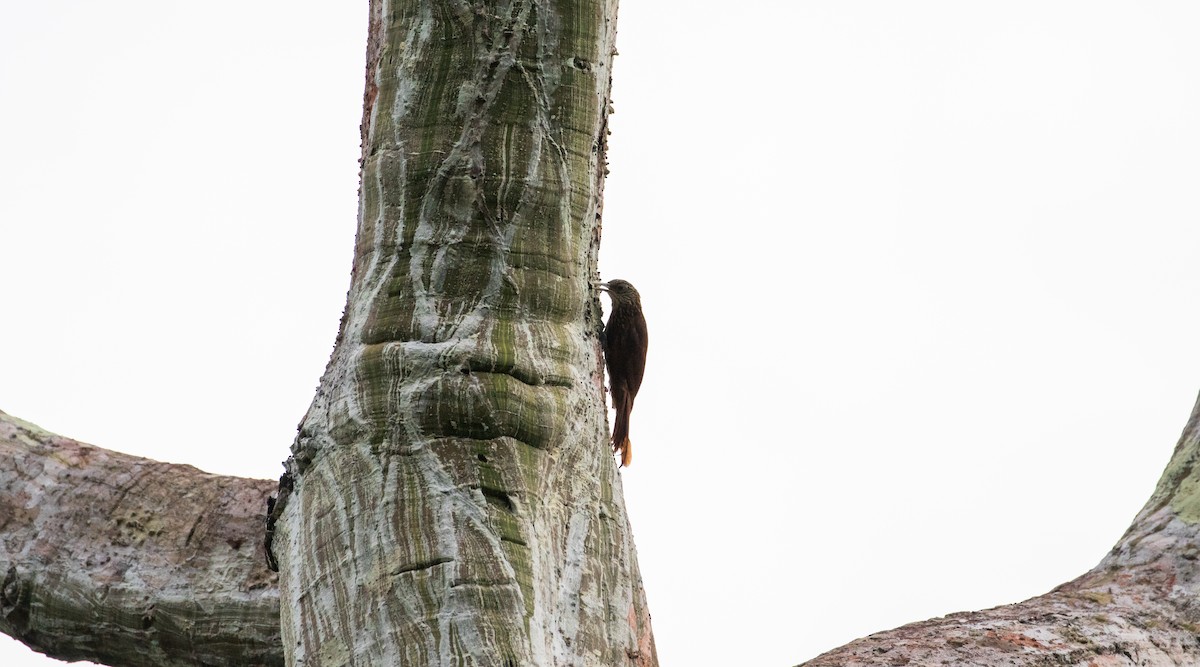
x: 620, y: 291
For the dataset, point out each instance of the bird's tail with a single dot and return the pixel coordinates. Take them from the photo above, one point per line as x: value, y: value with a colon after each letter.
x: 620, y: 435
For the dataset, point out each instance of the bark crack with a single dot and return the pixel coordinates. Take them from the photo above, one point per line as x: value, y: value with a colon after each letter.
x: 422, y: 565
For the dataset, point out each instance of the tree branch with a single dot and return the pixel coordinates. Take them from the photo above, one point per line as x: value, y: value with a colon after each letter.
x: 126, y: 561
x: 1139, y: 606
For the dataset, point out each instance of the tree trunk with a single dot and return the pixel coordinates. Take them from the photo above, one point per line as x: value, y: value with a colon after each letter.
x: 454, y: 502
x: 1139, y: 606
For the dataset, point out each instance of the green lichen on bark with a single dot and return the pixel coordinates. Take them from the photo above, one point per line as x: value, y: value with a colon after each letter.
x: 1179, y: 485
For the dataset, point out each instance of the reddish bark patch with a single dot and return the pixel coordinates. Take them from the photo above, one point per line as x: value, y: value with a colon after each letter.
x: 1011, y: 641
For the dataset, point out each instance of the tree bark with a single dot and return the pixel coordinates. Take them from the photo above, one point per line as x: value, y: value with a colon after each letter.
x: 454, y: 501
x: 125, y: 561
x: 1139, y: 606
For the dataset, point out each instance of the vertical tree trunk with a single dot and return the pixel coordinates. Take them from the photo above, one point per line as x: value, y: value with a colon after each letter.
x: 454, y: 500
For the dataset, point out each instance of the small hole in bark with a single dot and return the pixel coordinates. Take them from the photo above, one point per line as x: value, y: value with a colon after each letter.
x: 465, y: 371
x: 482, y: 458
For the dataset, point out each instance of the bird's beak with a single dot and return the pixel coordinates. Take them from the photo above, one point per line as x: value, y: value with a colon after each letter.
x: 603, y: 287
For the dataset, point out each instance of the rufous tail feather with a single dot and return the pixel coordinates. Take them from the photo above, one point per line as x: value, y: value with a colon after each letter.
x: 626, y: 449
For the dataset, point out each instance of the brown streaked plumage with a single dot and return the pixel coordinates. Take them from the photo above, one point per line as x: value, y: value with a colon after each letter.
x: 624, y: 342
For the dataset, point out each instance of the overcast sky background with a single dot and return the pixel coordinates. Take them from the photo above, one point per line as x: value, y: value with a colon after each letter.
x: 921, y: 277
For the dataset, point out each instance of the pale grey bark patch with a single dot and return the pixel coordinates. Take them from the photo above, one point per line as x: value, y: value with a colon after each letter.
x: 125, y: 561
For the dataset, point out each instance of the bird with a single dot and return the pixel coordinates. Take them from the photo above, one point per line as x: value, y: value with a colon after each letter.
x: 624, y: 342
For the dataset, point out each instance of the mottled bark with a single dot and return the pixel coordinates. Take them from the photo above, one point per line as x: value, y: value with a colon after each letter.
x: 455, y: 502
x: 1139, y: 606
x: 125, y: 561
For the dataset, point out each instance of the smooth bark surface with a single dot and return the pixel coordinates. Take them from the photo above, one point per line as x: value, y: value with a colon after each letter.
x: 455, y: 502
x: 1139, y: 606
x: 126, y: 561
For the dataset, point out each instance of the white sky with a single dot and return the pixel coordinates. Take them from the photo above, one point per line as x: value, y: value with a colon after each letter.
x: 920, y: 277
